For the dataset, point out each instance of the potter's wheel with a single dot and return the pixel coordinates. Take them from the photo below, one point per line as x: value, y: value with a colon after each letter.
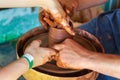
x: 83, y: 38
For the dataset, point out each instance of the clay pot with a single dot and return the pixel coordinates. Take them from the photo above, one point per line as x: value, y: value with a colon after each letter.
x: 56, y: 36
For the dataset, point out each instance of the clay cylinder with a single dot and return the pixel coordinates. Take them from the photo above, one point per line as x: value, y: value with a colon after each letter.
x: 57, y: 36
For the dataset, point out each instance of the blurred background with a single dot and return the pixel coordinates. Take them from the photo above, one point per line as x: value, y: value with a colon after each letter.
x: 14, y: 22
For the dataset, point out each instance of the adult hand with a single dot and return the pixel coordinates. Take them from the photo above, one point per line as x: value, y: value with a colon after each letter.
x: 41, y: 55
x: 71, y: 55
x: 70, y: 7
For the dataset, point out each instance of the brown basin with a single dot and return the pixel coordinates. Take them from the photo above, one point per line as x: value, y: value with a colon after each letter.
x: 82, y: 37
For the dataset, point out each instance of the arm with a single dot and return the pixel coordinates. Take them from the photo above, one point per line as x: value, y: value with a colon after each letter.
x: 14, y: 70
x: 104, y: 63
x: 80, y: 58
x: 83, y: 4
x: 17, y: 68
x: 20, y: 3
x: 38, y: 3
x: 71, y: 6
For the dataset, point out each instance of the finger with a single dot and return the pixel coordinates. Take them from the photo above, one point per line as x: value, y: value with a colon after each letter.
x: 36, y: 43
x: 49, y: 19
x: 67, y: 41
x: 69, y: 30
x: 59, y: 47
x: 41, y: 16
x: 51, y: 23
x: 44, y: 24
x: 61, y: 64
x: 51, y: 54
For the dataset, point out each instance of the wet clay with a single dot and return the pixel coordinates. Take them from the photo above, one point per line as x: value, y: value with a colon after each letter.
x: 53, y: 36
x: 56, y: 36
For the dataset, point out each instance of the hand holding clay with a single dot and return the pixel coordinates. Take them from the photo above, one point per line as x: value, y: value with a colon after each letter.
x: 47, y: 21
x: 71, y: 55
x: 41, y: 55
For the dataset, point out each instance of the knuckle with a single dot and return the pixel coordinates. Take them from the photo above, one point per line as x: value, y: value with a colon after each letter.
x: 63, y: 45
x: 67, y: 40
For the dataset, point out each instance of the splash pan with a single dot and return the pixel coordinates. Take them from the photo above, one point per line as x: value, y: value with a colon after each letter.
x: 82, y: 37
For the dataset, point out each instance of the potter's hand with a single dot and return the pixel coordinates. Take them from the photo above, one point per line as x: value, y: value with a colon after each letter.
x: 41, y: 55
x: 71, y: 6
x: 71, y: 55
x: 48, y: 21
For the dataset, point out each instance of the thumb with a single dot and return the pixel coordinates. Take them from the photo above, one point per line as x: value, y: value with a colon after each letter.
x: 50, y: 54
x: 36, y: 43
x: 52, y: 51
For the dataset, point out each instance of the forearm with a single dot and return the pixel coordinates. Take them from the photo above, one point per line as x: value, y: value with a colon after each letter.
x: 104, y: 63
x: 21, y: 3
x: 15, y: 3
x: 89, y: 3
x: 14, y: 70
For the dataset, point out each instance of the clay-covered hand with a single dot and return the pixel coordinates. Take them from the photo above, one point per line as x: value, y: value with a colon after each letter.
x: 71, y: 55
x: 71, y: 6
x: 46, y: 19
x: 41, y: 55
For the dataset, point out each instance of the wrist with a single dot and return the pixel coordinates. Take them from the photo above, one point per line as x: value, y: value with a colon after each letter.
x: 86, y: 61
x: 90, y: 60
x: 29, y: 58
x: 25, y: 63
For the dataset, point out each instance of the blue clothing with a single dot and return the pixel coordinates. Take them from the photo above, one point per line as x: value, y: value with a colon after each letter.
x: 106, y: 27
